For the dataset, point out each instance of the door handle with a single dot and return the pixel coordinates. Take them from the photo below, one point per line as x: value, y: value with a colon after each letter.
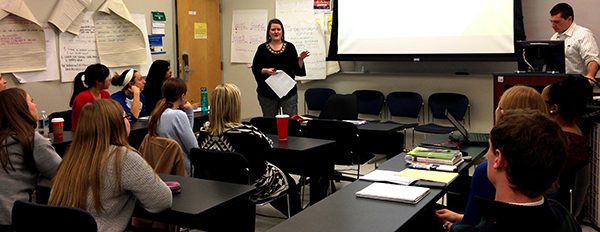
x: 186, y: 65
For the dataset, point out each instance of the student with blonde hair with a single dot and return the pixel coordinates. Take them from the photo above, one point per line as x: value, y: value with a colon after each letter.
x: 225, y: 121
x: 24, y: 153
x: 102, y: 174
x: 173, y: 118
x: 516, y: 97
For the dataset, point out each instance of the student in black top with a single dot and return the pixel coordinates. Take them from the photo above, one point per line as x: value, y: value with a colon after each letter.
x: 277, y: 54
x: 159, y: 72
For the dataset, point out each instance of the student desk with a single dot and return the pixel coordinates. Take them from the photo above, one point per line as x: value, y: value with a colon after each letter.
x: 343, y: 211
x: 207, y: 205
x: 307, y: 157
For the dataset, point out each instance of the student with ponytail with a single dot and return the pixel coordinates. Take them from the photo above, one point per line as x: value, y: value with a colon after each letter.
x: 173, y: 118
x: 130, y: 97
x: 88, y: 86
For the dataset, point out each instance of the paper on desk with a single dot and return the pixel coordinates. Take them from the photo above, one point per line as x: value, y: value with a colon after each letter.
x: 281, y: 83
x: 68, y: 15
x: 443, y: 177
x: 388, y: 176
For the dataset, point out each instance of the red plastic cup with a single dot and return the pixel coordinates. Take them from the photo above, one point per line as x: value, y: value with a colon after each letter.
x: 282, y: 126
x: 58, y: 125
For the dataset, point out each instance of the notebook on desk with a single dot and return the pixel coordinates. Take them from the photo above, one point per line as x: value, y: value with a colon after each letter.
x: 468, y: 138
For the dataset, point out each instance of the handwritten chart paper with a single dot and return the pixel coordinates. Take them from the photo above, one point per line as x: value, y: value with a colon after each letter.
x: 248, y: 30
x: 51, y: 73
x: 120, y: 42
x: 302, y: 30
x: 67, y: 14
x: 77, y: 52
x: 21, y: 39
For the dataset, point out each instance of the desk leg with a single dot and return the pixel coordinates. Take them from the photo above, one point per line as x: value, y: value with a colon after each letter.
x: 318, y: 188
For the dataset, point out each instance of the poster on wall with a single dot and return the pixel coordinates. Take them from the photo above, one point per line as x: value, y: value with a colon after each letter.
x: 248, y: 30
x: 302, y: 30
x: 22, y: 39
x: 77, y: 52
x: 51, y: 73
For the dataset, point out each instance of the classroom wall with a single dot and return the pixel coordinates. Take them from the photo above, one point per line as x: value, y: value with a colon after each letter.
x: 424, y: 78
x: 54, y: 95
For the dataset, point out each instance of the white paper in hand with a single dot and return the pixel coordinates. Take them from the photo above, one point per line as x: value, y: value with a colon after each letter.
x: 281, y: 83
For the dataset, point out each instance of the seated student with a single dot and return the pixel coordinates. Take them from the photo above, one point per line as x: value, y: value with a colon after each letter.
x: 88, y: 86
x: 2, y: 83
x: 159, y: 72
x: 108, y: 180
x: 224, y: 120
x: 526, y: 153
x: 566, y: 104
x: 24, y: 153
x: 516, y: 97
x: 174, y: 118
x: 130, y: 97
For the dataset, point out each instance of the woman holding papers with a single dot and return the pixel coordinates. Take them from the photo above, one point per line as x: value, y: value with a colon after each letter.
x: 273, y: 57
x: 517, y: 97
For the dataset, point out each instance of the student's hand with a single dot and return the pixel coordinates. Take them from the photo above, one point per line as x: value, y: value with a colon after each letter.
x: 134, y: 89
x: 269, y: 71
x: 303, y: 55
x: 448, y: 215
x: 187, y: 106
x: 196, y: 105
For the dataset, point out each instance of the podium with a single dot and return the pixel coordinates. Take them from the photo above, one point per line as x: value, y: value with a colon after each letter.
x: 503, y: 81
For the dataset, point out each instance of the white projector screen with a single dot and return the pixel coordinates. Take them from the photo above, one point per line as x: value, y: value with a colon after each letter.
x: 424, y: 27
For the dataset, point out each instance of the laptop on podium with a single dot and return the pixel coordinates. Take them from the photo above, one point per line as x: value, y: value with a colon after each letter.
x: 466, y: 137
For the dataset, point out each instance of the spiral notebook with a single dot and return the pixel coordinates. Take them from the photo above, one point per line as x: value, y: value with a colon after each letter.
x: 394, y: 192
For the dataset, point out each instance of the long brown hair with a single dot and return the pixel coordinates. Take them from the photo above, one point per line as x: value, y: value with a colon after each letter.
x: 172, y: 90
x: 84, y: 166
x: 17, y: 122
x: 226, y: 109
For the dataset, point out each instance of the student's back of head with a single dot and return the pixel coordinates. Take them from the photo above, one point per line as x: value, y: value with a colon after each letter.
x: 568, y: 98
x: 173, y: 91
x: 92, y: 76
x: 533, y: 147
x: 226, y: 108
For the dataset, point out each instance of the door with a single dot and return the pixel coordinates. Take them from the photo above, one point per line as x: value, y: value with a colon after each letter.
x: 199, y: 45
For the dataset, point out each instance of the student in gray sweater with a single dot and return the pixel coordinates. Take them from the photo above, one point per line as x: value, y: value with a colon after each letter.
x: 24, y: 153
x: 103, y: 175
x: 173, y: 118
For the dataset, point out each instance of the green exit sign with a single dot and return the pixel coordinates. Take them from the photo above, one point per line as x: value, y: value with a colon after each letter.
x: 158, y: 16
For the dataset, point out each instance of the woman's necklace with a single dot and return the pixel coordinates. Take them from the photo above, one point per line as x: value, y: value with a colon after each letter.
x: 278, y: 51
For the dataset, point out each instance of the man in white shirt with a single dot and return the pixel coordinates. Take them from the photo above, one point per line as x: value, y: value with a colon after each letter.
x: 581, y: 50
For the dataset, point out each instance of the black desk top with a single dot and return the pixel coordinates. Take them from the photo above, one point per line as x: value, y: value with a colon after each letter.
x: 379, y: 127
x: 343, y: 211
x: 199, y: 195
x: 299, y: 143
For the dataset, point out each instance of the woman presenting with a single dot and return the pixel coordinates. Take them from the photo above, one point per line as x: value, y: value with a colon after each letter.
x: 277, y: 54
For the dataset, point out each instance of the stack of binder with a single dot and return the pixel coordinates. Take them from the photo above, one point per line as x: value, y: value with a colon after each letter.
x: 442, y: 156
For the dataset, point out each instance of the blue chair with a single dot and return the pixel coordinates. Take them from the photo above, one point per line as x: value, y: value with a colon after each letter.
x: 406, y: 104
x: 455, y: 103
x: 340, y: 107
x: 369, y: 101
x: 315, y: 98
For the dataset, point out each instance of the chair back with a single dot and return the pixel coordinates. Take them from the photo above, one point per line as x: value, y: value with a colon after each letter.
x: 340, y: 107
x: 405, y: 104
x: 315, y: 98
x: 369, y: 101
x: 66, y: 115
x: 345, y: 135
x: 28, y: 216
x: 164, y: 155
x: 226, y: 166
x: 456, y: 104
x: 268, y: 125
